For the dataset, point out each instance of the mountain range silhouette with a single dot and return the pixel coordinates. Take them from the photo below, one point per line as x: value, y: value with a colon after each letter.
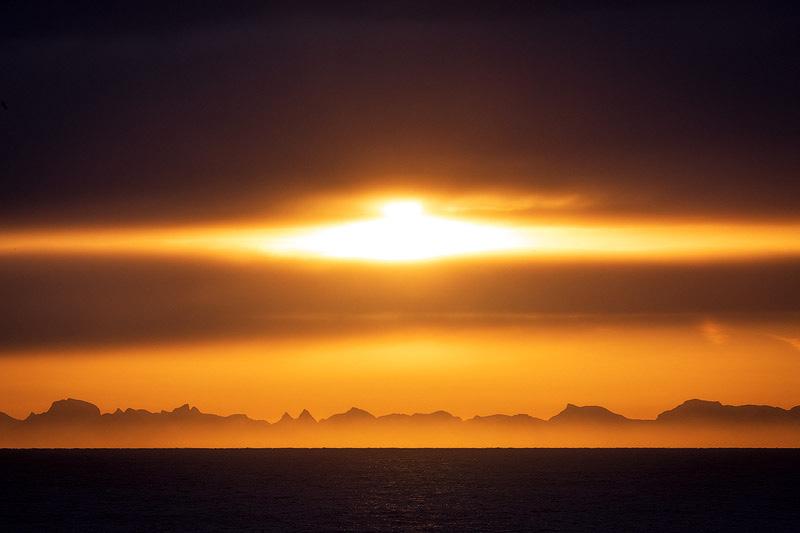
x: 77, y: 423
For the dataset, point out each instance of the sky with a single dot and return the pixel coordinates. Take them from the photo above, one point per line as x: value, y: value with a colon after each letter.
x: 479, y: 207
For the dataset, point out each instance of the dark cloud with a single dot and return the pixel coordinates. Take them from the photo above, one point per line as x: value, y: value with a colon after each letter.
x: 146, y: 114
x: 97, y: 301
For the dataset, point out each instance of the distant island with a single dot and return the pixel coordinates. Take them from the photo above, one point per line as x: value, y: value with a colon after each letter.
x: 72, y: 423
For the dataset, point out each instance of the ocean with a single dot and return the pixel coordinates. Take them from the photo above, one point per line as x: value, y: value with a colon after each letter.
x: 401, y: 490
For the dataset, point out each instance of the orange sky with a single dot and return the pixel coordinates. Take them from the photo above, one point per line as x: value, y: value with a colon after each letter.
x: 459, y: 207
x: 421, y: 311
x: 635, y: 367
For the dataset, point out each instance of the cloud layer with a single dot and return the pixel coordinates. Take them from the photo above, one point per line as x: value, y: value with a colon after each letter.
x: 154, y: 114
x: 96, y: 301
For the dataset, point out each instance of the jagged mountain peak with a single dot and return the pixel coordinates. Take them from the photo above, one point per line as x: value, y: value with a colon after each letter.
x: 306, y: 416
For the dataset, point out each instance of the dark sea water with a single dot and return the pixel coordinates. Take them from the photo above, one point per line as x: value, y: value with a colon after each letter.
x: 401, y: 489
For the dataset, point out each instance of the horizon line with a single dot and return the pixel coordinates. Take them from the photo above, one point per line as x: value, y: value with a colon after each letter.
x: 187, y: 407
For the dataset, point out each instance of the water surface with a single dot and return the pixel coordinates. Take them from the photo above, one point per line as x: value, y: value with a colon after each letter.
x: 401, y: 489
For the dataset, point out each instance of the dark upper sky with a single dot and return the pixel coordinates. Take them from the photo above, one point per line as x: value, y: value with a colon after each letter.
x: 140, y: 113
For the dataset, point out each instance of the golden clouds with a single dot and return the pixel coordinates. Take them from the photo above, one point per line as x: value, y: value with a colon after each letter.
x: 418, y: 236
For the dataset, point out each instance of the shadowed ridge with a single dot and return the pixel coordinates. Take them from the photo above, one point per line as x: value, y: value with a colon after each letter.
x: 440, y: 416
x: 131, y: 410
x: 73, y: 407
x: 240, y: 417
x: 73, y: 423
x: 68, y: 410
x: 394, y: 417
x: 306, y: 417
x: 303, y: 419
x: 511, y: 420
x: 131, y: 414
x: 8, y: 419
x: 589, y: 414
x: 185, y: 409
x: 708, y: 412
x: 118, y: 414
x: 354, y: 414
x: 694, y: 408
x: 192, y: 414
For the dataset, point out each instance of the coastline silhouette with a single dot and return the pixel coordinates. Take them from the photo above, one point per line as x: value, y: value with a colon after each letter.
x: 694, y: 423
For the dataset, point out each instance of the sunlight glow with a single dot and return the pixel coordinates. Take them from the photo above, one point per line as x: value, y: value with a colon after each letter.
x: 404, y: 233
x: 400, y: 209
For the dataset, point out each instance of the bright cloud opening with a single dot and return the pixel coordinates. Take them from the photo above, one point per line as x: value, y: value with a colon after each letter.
x: 404, y: 232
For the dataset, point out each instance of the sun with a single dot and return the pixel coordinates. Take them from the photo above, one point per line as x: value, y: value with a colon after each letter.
x: 402, y: 209
x: 404, y: 232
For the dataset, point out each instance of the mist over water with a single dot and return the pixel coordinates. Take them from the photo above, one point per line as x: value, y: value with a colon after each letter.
x: 401, y: 490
